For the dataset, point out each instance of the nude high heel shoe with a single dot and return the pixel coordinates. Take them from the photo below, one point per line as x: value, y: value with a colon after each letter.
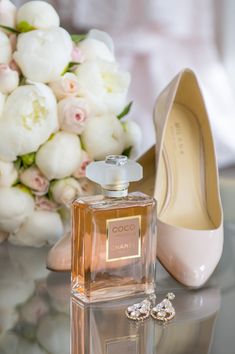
x: 60, y: 255
x: 190, y: 219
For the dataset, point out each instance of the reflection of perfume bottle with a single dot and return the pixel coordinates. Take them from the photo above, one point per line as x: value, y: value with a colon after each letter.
x: 114, y: 235
x: 102, y: 328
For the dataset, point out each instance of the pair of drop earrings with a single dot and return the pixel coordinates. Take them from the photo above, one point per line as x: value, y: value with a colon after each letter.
x: 164, y: 311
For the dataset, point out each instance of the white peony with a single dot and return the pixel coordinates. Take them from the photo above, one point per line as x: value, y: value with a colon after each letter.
x: 60, y: 156
x: 15, y: 206
x: 66, y: 190
x: 43, y: 55
x: 53, y: 334
x: 104, y: 86
x: 8, y: 318
x: 65, y: 213
x: 5, y: 48
x: 12, y: 278
x: 9, y: 79
x: 103, y: 136
x: 12, y: 343
x: 37, y: 15
x: 40, y: 228
x: 93, y: 49
x: 28, y: 119
x: 132, y: 134
x: 2, y: 102
x: 7, y: 13
x: 31, y: 262
x: 102, y: 37
x: 8, y: 174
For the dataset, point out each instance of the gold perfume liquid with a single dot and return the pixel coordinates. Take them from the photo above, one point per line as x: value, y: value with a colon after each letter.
x: 114, y: 246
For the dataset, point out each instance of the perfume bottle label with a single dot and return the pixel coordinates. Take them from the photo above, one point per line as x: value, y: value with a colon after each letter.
x: 123, y: 238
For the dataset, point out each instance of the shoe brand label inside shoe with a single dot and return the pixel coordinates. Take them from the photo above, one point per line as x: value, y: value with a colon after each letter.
x: 176, y: 131
x: 123, y: 238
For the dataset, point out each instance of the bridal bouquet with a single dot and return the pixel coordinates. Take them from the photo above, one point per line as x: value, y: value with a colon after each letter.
x: 62, y: 102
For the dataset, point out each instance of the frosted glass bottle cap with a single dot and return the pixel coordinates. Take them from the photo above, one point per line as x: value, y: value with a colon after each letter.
x: 116, y: 170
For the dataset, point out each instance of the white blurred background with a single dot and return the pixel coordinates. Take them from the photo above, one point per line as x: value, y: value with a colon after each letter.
x: 155, y: 39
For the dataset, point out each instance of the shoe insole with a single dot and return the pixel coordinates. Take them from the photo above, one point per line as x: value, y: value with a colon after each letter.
x: 185, y: 203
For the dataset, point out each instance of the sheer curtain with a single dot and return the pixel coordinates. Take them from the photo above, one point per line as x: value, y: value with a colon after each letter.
x: 155, y: 39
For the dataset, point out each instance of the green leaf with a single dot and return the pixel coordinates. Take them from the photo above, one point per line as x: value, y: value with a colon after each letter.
x: 83, y: 147
x: 24, y: 26
x: 127, y: 151
x: 125, y: 111
x: 9, y: 29
x: 72, y: 63
x: 52, y: 182
x: 28, y: 159
x: 49, y: 194
x: 22, y: 80
x: 76, y: 38
x: 72, y: 68
x: 18, y: 163
x: 69, y: 67
x: 51, y: 136
x: 16, y: 183
x: 26, y: 330
x: 65, y: 70
x: 24, y: 189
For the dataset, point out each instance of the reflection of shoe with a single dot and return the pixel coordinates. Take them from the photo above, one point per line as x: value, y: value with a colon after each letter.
x: 197, y: 305
x: 59, y: 288
x: 190, y: 229
x: 59, y: 257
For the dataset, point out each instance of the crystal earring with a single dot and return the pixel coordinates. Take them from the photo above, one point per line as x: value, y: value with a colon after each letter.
x: 164, y: 311
x: 140, y: 311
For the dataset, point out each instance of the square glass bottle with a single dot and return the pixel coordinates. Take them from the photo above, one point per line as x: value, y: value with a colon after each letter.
x: 114, y: 235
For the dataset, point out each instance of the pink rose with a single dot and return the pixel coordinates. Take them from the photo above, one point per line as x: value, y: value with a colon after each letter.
x: 9, y: 79
x: 66, y: 86
x: 13, y: 65
x: 81, y: 171
x: 34, y: 179
x: 73, y: 113
x: 77, y: 55
x: 44, y: 203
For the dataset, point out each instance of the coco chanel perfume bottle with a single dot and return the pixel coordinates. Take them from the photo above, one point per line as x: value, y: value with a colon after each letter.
x: 114, y: 235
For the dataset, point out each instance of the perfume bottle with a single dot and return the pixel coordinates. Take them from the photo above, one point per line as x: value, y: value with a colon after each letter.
x: 114, y: 235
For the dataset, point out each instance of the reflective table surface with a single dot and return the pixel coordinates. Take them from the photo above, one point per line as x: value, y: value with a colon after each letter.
x: 37, y: 315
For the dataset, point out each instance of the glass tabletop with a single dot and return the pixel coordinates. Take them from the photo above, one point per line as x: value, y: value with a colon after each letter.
x: 38, y: 316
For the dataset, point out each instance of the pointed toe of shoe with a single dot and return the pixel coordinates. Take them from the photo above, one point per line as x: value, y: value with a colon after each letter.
x: 59, y: 257
x: 190, y: 256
